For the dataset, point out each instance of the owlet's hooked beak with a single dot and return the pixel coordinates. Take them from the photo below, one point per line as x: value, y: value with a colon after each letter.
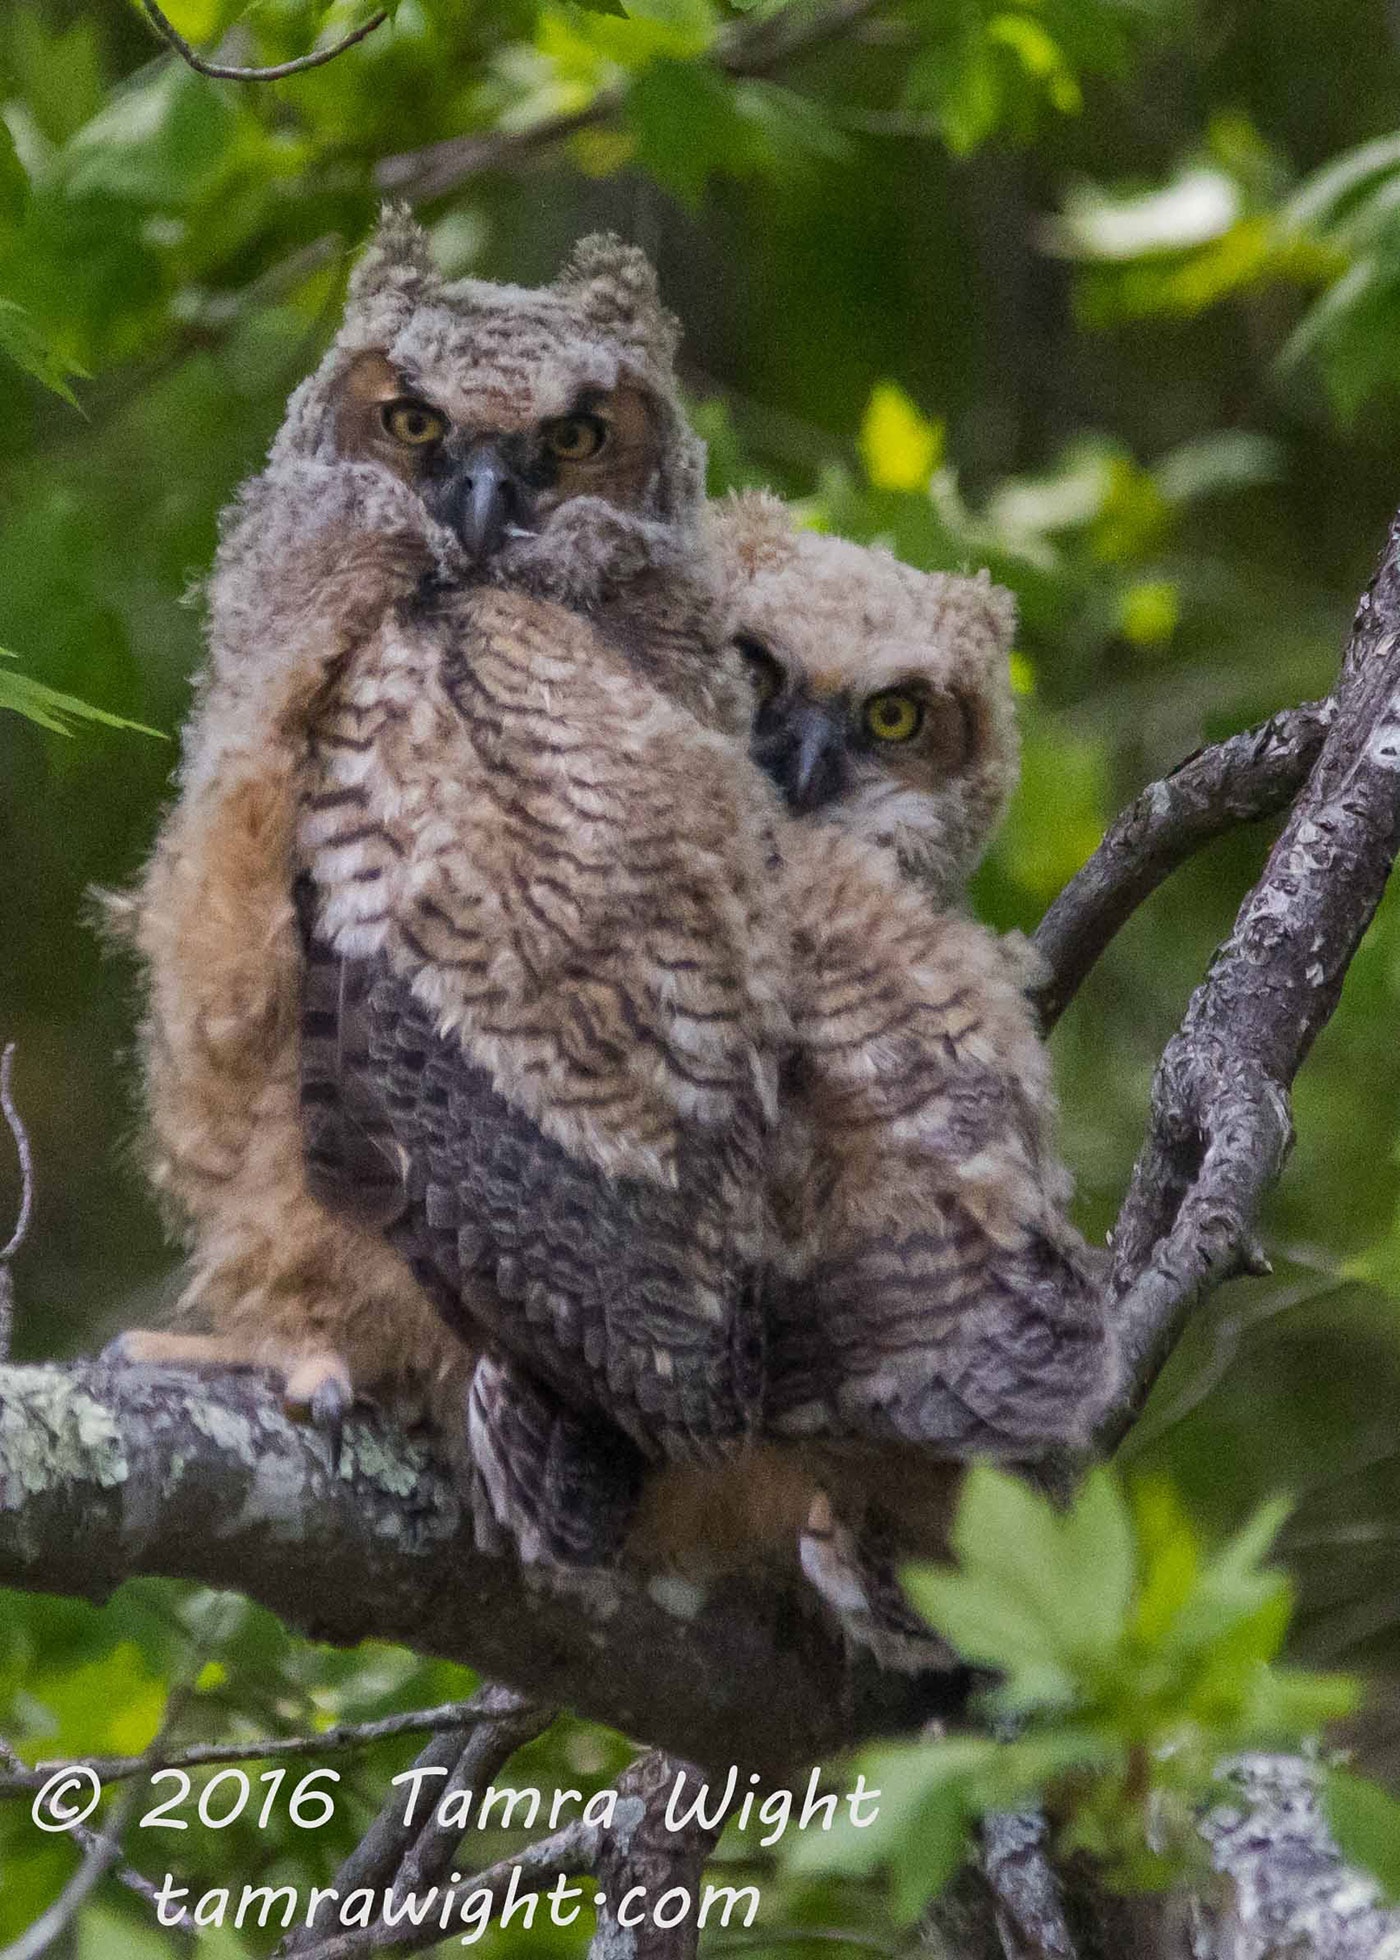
x: 482, y: 498
x: 802, y: 746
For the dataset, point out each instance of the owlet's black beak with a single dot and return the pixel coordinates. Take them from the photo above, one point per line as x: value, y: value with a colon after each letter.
x: 483, y: 498
x: 803, y: 748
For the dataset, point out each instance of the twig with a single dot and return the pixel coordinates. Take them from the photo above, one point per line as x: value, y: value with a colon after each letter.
x: 220, y: 72
x: 566, y: 1853
x: 1251, y: 776
x: 26, y: 1198
x: 640, y: 1854
x: 26, y: 1159
x: 402, y: 1855
x: 751, y: 49
x: 86, y: 1838
x: 510, y: 1722
x: 1221, y: 1126
x: 453, y: 1715
x: 100, y: 1854
x: 102, y: 1849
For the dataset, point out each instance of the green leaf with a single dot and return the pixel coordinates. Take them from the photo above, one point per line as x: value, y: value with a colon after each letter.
x: 919, y: 1832
x: 1366, y: 1824
x: 1041, y: 57
x: 27, y: 348
x: 995, y: 1629
x: 25, y: 696
x: 1011, y: 1543
x: 162, y: 141
x: 1100, y: 1560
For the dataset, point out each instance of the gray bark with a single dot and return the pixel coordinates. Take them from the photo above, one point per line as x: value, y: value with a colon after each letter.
x: 109, y: 1472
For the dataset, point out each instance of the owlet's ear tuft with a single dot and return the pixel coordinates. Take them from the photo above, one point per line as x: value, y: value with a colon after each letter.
x: 753, y: 529
x: 613, y: 285
x: 397, y: 258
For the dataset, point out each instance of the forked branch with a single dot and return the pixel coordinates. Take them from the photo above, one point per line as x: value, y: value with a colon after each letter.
x: 1243, y: 780
x: 1221, y: 1125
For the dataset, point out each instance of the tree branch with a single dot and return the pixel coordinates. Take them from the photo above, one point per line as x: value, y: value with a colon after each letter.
x: 567, y: 1852
x: 641, y: 1856
x: 1290, y: 1891
x: 750, y: 49
x: 1025, y: 1893
x: 220, y: 72
x: 1221, y: 1125
x: 94, y: 1846
x: 454, y: 1716
x: 406, y: 1850
x: 110, y: 1472
x: 1251, y: 776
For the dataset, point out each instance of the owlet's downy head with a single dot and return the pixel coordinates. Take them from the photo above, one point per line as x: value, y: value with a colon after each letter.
x: 538, y: 428
x: 882, y: 694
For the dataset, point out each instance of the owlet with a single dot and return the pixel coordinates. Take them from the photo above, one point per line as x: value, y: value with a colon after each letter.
x: 465, y: 984
x: 927, y: 1299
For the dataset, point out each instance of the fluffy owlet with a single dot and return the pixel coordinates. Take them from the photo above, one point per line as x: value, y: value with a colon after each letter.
x: 465, y: 981
x: 927, y: 1299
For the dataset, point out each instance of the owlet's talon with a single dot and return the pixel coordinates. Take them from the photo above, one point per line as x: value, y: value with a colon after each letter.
x: 318, y: 1391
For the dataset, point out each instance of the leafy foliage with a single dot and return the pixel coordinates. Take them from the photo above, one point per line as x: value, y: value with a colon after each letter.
x: 1131, y: 1664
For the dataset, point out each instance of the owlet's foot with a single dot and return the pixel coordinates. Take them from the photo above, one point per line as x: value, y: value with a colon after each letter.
x: 315, y: 1384
x: 855, y: 1576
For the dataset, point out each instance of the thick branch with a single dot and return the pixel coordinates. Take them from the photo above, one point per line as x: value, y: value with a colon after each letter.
x: 106, y: 1473
x: 1290, y: 1891
x: 1251, y: 776
x: 751, y: 49
x: 1221, y: 1125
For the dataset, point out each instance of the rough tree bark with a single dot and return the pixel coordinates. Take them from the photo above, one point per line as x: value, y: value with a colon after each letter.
x: 106, y: 1473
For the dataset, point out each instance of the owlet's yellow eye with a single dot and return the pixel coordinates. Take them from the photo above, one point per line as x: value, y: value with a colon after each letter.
x: 575, y: 438
x: 414, y: 423
x: 894, y: 716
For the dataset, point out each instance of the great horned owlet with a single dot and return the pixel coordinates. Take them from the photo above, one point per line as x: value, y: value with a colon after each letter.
x: 927, y: 1299
x: 465, y: 982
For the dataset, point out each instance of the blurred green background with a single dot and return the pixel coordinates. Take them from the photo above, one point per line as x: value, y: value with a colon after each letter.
x: 1102, y: 293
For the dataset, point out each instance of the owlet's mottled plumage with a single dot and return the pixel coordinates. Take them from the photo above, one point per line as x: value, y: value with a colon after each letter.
x: 465, y: 983
x: 927, y: 1299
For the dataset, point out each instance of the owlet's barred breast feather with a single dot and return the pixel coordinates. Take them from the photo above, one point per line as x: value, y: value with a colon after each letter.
x: 464, y: 982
